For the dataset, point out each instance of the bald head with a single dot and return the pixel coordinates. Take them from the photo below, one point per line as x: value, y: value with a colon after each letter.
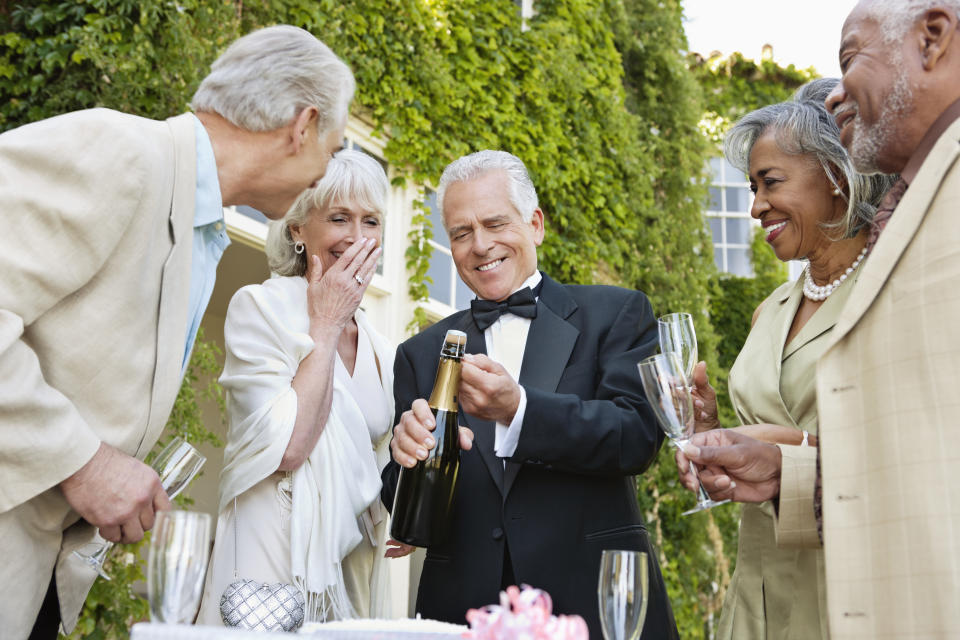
x: 901, y: 69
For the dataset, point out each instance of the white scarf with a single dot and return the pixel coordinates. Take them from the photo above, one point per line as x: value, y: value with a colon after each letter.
x: 266, y: 337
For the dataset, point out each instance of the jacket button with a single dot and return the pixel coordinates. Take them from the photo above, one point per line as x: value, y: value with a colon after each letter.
x: 497, y: 533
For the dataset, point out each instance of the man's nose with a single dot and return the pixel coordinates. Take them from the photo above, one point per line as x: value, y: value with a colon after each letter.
x: 835, y: 98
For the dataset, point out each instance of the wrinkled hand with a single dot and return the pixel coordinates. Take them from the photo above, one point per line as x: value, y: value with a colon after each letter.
x: 413, y: 438
x: 333, y: 297
x: 487, y: 391
x: 117, y: 493
x: 704, y: 400
x: 397, y: 549
x: 732, y: 466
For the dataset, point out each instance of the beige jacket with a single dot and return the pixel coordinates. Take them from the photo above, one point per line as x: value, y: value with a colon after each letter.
x: 889, y: 402
x: 95, y: 250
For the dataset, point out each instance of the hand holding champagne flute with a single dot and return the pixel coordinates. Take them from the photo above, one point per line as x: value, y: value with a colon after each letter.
x: 176, y: 465
x: 664, y: 383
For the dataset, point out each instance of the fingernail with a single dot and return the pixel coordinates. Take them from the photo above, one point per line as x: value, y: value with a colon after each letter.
x: 733, y: 485
x: 429, y: 443
x: 421, y: 453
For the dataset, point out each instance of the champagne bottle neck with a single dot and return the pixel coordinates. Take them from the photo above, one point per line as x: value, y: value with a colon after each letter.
x: 444, y: 394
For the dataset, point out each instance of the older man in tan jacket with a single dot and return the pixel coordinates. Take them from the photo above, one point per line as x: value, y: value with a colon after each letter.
x: 113, y: 227
x: 888, y: 389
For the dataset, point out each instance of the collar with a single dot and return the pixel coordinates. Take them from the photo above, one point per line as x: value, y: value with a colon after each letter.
x: 209, y: 202
x: 941, y: 124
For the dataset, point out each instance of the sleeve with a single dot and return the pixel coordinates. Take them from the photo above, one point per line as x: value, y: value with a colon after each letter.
x: 69, y: 190
x: 506, y: 446
x: 262, y: 357
x: 796, y: 523
x: 615, y: 431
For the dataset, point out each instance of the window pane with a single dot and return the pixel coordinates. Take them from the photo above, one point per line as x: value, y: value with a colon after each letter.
x: 439, y: 272
x: 733, y: 174
x: 430, y: 203
x: 464, y: 295
x: 715, y: 169
x: 738, y: 199
x: 738, y: 230
x: 716, y: 228
x: 715, y: 204
x: 718, y: 258
x: 738, y: 262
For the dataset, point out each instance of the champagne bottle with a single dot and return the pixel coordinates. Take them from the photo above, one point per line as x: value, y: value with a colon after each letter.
x: 423, y: 504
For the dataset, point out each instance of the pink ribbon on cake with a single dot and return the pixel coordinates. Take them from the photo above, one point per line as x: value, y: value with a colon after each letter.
x: 524, y: 615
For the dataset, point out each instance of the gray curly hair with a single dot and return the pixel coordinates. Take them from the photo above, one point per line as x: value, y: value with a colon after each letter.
x: 803, y: 126
x: 895, y: 17
x: 352, y: 177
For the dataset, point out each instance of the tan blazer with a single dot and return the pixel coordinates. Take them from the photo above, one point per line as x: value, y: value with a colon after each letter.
x: 889, y: 402
x: 95, y: 249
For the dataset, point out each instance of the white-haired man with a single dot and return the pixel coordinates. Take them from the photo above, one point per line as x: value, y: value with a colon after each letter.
x: 114, y: 228
x: 887, y: 386
x: 550, y: 391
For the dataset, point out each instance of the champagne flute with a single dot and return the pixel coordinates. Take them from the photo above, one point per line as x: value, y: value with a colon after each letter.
x: 177, y: 564
x: 667, y: 391
x: 176, y: 465
x: 677, y: 336
x: 622, y: 592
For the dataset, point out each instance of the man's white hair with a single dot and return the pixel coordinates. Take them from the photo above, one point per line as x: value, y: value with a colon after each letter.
x: 895, y: 17
x: 523, y: 195
x: 267, y: 77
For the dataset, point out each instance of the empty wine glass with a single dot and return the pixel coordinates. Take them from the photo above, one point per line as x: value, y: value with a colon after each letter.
x: 677, y: 336
x: 176, y: 464
x: 667, y: 391
x: 622, y: 592
x: 177, y: 565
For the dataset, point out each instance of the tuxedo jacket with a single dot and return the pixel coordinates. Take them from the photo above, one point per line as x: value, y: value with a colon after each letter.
x: 568, y: 492
x: 888, y: 401
x: 95, y: 253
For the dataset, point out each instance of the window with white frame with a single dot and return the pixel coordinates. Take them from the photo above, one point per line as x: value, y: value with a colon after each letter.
x: 446, y: 286
x: 729, y: 215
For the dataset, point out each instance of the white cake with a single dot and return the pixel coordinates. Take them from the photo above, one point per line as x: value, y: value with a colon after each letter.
x: 407, y: 628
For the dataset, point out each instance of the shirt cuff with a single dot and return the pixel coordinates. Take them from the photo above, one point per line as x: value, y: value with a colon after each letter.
x: 506, y: 439
x: 796, y: 524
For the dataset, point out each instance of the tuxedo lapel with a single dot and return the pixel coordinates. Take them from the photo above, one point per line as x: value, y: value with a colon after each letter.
x: 484, y: 431
x: 550, y: 342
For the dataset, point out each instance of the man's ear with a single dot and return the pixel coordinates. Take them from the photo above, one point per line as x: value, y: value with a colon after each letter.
x: 304, y: 125
x: 937, y: 28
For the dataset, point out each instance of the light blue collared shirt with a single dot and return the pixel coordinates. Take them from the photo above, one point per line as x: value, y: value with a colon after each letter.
x: 209, y: 237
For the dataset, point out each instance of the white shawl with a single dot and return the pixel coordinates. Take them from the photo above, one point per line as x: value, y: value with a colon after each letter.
x: 266, y: 336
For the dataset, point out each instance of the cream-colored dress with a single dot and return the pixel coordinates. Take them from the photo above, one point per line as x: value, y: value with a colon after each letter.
x: 778, y: 594
x: 253, y: 539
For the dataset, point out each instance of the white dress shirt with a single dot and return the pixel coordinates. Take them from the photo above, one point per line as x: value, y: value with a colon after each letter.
x: 506, y: 341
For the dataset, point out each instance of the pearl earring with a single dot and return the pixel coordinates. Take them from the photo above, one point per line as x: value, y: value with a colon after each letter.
x: 836, y: 192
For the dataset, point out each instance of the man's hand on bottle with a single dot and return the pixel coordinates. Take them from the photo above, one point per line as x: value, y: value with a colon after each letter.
x: 487, y: 391
x: 413, y: 435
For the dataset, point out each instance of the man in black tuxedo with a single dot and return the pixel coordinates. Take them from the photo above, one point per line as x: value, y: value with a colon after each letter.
x: 547, y: 473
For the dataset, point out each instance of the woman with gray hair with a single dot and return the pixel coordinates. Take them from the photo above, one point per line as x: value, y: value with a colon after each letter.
x: 813, y: 206
x: 309, y: 394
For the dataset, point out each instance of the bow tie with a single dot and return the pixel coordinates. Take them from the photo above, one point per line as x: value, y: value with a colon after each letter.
x: 523, y: 303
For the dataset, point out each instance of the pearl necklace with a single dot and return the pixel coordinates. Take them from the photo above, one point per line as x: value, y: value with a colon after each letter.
x: 816, y: 292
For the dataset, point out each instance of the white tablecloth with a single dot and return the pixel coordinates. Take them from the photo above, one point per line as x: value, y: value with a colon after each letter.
x: 150, y: 631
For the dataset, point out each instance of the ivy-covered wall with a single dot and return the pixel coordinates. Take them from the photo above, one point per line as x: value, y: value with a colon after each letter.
x: 596, y: 98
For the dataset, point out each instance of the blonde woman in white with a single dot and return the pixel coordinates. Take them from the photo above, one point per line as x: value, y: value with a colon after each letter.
x: 309, y: 386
